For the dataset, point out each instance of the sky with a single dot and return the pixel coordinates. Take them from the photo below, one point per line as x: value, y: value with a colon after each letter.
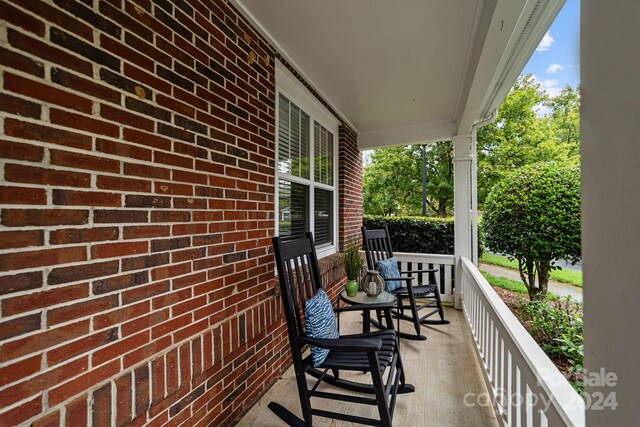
x: 556, y: 61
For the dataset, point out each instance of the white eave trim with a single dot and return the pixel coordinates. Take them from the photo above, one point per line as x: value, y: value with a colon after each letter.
x: 415, y: 134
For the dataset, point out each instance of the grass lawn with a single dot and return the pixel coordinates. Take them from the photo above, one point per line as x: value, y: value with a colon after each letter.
x: 512, y: 285
x: 565, y: 275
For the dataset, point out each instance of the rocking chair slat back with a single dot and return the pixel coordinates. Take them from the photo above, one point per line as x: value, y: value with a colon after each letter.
x: 296, y: 262
x: 377, y: 246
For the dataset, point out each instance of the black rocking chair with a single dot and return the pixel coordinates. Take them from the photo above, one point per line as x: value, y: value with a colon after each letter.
x: 374, y: 352
x: 377, y: 246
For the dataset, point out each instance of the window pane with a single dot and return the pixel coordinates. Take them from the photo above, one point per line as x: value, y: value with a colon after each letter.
x: 323, y: 215
x: 293, y: 215
x: 323, y: 154
x: 293, y: 139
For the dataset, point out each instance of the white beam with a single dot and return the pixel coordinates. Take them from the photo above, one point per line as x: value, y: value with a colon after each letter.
x: 610, y: 149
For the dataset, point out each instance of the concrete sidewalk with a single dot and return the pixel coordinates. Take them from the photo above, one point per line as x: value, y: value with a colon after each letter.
x: 560, y: 289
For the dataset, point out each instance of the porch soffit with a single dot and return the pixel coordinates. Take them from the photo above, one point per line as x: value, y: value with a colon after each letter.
x: 410, y: 71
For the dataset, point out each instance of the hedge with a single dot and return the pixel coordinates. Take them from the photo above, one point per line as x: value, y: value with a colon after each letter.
x: 416, y: 234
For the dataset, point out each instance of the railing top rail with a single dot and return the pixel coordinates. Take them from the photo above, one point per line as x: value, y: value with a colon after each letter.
x: 569, y: 404
x: 432, y: 258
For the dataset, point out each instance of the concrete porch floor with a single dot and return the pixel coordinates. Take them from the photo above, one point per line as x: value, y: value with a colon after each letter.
x: 444, y: 369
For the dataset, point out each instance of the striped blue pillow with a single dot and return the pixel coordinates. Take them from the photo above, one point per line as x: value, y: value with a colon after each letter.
x: 320, y: 323
x: 389, y: 268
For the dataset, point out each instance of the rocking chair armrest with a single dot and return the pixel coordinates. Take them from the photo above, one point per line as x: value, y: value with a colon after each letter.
x: 428, y: 270
x: 344, y: 344
x: 406, y: 279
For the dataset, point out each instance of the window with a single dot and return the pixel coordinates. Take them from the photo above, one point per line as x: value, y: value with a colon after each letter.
x: 305, y: 172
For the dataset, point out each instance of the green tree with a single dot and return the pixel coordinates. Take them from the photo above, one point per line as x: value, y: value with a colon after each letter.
x: 392, y: 182
x: 530, y: 128
x: 533, y: 216
x: 564, y: 121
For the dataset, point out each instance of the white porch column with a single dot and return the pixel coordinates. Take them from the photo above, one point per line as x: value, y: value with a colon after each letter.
x: 461, y: 206
x: 610, y: 146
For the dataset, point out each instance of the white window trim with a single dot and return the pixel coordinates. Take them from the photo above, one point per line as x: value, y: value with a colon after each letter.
x: 290, y: 87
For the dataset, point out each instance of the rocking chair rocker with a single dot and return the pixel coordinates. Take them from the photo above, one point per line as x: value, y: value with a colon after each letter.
x: 374, y: 352
x: 377, y: 246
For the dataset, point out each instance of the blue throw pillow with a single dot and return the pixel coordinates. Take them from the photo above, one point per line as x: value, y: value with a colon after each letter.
x: 320, y: 323
x: 389, y: 268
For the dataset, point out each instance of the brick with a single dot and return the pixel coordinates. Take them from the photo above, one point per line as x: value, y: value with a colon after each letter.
x: 123, y: 399
x: 19, y: 106
x: 146, y: 171
x: 46, y: 93
x: 38, y: 132
x: 20, y: 282
x: 49, y: 420
x: 148, y: 109
x: 37, y: 300
x: 88, y: 124
x: 20, y: 62
x: 86, y: 198
x: 23, y: 412
x: 142, y: 389
x: 83, y: 161
x: 45, y: 51
x: 83, y: 382
x: 83, y: 235
x: 170, y: 326
x: 43, y: 217
x: 22, y: 196
x: 18, y: 151
x: 82, y: 272
x: 76, y: 413
x: 144, y: 292
x: 150, y: 140
x: 119, y: 347
x: 126, y: 21
x: 101, y: 407
x: 120, y: 282
x: 22, y: 325
x: 43, y: 340
x: 170, y: 216
x: 140, y: 201
x: 31, y: 259
x: 121, y: 149
x: 123, y: 184
x: 45, y: 176
x: 120, y: 216
x: 81, y: 309
x: 43, y: 381
x: 139, y: 232
x: 110, y: 250
x: 16, y: 371
x: 80, y: 84
x: 145, y: 261
x: 126, y: 118
x: 124, y: 83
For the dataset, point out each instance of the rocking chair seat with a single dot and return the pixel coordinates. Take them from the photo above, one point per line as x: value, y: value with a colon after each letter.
x: 358, y: 361
x: 418, y: 291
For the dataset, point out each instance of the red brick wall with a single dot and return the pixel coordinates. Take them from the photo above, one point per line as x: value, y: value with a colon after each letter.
x: 137, y: 206
x: 350, y: 181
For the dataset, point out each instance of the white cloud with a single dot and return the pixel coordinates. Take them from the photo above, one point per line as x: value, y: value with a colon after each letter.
x: 554, y: 68
x: 545, y: 43
x: 551, y: 87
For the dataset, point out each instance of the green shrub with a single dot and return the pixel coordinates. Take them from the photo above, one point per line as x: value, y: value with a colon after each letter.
x: 557, y: 328
x: 533, y: 216
x: 416, y: 234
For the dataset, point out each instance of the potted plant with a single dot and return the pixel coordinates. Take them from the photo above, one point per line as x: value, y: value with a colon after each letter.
x: 352, y: 263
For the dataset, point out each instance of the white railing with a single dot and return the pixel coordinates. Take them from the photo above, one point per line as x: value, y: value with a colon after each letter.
x: 525, y: 387
x: 444, y: 276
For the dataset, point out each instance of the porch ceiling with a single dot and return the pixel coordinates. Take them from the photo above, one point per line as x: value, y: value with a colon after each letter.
x: 408, y: 71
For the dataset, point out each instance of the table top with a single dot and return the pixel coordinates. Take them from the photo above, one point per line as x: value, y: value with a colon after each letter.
x: 383, y: 297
